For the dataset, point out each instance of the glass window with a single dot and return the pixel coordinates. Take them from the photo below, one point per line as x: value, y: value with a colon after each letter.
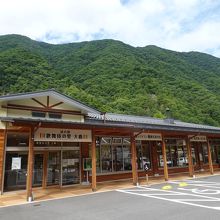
x: 146, y: 155
x: 127, y: 157
x: 176, y: 153
x: 215, y: 150
x: 194, y: 160
x: 113, y: 154
x: 159, y: 155
x: 139, y: 156
x: 182, y: 156
x: 117, y: 158
x: 218, y: 153
x: 39, y: 114
x: 98, y: 162
x: 106, y: 158
x: 15, y: 139
x: 214, y: 154
x: 205, y: 153
x: 55, y: 115
x: 143, y: 155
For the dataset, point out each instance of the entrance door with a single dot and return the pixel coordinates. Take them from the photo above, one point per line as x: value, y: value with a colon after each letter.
x: 15, y: 170
x: 38, y: 169
x: 53, y: 168
x: 70, y: 167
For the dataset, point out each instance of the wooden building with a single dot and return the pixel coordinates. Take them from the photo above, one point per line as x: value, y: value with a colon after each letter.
x: 47, y: 138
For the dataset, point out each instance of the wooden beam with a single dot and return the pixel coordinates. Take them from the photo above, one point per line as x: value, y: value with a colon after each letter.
x: 32, y: 108
x: 164, y: 159
x: 30, y: 166
x: 45, y: 161
x: 40, y: 103
x: 59, y: 103
x: 189, y: 156
x: 134, y: 160
x: 93, y: 162
x: 210, y: 158
x: 48, y: 101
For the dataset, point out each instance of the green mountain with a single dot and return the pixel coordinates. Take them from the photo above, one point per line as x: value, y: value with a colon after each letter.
x: 115, y: 77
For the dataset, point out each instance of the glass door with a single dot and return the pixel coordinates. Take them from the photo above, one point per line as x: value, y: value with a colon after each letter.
x: 38, y: 169
x: 53, y: 168
x: 70, y: 167
x: 15, y: 170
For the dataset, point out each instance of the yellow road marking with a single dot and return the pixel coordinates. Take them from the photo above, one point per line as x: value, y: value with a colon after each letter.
x: 183, y: 184
x: 167, y: 187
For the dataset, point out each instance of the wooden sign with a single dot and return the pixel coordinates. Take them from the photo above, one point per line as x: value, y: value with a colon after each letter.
x: 149, y: 137
x: 198, y: 138
x: 63, y: 135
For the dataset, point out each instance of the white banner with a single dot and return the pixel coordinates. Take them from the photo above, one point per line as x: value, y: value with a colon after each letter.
x: 197, y: 138
x: 64, y: 135
x: 149, y: 137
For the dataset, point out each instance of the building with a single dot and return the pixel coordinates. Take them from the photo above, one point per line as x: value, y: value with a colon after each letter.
x: 47, y: 138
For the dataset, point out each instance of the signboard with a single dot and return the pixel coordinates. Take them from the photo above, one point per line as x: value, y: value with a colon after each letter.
x: 198, y: 138
x: 87, y: 164
x: 16, y: 163
x: 149, y: 137
x: 63, y: 135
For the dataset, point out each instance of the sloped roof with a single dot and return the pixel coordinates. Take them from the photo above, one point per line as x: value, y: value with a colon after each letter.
x: 142, y: 121
x: 96, y: 117
x: 52, y: 93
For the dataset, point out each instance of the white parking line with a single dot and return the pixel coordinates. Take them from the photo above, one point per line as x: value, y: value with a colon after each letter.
x: 181, y: 193
x: 171, y: 200
x: 156, y: 194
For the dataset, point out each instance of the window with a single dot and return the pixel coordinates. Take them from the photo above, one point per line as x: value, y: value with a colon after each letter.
x: 39, y: 114
x: 215, y: 150
x: 113, y: 154
x: 143, y: 155
x: 205, y: 153
x: 17, y: 139
x: 176, y: 153
x: 55, y: 115
x: 106, y: 158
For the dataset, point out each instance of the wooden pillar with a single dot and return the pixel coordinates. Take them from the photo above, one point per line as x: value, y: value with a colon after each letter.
x: 45, y: 161
x: 210, y: 157
x: 93, y: 162
x: 189, y: 155
x: 3, y: 138
x: 164, y: 159
x: 134, y: 161
x: 30, y: 166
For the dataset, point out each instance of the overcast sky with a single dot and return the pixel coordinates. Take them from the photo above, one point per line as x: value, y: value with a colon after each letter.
x: 181, y: 25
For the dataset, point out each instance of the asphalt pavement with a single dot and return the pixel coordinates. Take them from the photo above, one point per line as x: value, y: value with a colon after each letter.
x: 188, y: 199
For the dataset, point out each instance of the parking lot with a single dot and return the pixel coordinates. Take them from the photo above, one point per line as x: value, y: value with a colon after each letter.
x: 188, y: 199
x: 204, y: 193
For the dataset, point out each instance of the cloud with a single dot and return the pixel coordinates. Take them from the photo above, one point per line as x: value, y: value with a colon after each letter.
x: 174, y: 24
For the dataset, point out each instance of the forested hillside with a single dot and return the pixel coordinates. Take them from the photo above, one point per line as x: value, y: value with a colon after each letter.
x: 115, y: 77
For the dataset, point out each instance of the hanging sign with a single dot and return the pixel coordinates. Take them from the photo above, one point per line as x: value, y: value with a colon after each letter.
x: 198, y: 138
x: 16, y: 163
x: 63, y: 135
x: 149, y: 137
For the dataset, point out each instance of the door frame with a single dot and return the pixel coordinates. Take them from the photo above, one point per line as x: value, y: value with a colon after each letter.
x: 45, y: 153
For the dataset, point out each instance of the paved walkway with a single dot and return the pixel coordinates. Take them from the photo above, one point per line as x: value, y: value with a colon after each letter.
x: 19, y: 197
